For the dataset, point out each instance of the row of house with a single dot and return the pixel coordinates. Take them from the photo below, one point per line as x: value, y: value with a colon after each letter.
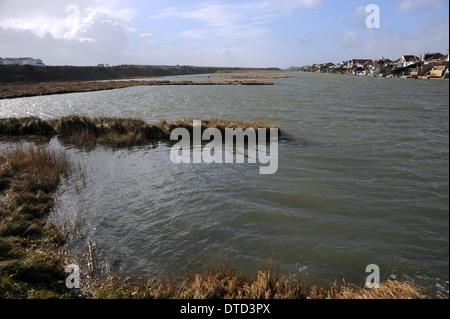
x: 429, y: 65
x: 21, y: 61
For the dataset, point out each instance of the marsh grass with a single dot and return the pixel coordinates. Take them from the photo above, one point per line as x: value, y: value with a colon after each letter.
x: 113, y: 131
x: 30, y: 252
x: 25, y: 126
x: 389, y: 289
x: 227, y: 283
x: 251, y: 76
x: 223, y: 282
x: 49, y: 88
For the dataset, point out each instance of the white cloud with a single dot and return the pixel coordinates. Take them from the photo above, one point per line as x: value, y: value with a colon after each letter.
x: 359, y: 17
x: 88, y: 31
x: 194, y: 34
x: 418, y: 5
x: 235, y: 22
x: 304, y: 42
x: 62, y: 21
x: 344, y: 39
x: 431, y: 35
x: 290, y: 5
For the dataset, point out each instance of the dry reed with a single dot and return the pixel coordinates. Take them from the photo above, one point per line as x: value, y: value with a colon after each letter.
x: 113, y: 131
x: 227, y: 283
x: 48, y: 88
x: 30, y: 251
x: 251, y: 76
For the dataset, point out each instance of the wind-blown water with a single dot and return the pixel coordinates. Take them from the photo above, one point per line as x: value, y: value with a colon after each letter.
x: 370, y: 186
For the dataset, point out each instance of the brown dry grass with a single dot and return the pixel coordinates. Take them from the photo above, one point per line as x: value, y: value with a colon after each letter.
x: 30, y: 252
x: 48, y: 88
x: 251, y: 76
x: 227, y: 283
x: 390, y: 289
x: 236, y: 82
x: 113, y: 131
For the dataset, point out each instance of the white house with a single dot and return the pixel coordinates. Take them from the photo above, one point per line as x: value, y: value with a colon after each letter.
x: 22, y: 61
x: 39, y: 62
x: 407, y: 60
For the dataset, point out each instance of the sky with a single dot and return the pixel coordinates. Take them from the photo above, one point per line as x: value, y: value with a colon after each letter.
x: 231, y: 33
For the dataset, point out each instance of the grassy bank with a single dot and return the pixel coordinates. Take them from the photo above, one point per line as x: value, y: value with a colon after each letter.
x: 49, y: 88
x: 251, y: 76
x: 228, y: 283
x: 35, y: 74
x: 116, y: 132
x: 32, y: 256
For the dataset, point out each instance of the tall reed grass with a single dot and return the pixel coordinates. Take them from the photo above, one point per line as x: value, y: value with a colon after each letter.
x: 31, y: 260
x: 113, y: 131
x: 228, y: 283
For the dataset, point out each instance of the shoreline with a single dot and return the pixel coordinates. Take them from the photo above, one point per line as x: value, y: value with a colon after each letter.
x: 12, y: 91
x: 40, y: 74
x: 117, y: 132
x: 32, y: 256
x: 32, y: 253
x: 424, y: 78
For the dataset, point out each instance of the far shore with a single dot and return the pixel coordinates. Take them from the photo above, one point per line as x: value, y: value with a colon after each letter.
x: 425, y: 78
x: 29, y: 80
x: 49, y: 88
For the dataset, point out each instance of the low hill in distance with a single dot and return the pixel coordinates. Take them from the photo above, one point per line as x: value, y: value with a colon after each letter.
x: 34, y: 74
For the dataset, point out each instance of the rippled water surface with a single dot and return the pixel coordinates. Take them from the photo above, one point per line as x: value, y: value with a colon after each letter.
x: 370, y: 186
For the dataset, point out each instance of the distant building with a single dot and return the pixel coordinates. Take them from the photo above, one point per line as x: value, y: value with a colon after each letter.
x: 1, y: 61
x: 432, y: 57
x: 22, y: 61
x: 407, y: 60
x: 429, y: 65
x: 353, y: 62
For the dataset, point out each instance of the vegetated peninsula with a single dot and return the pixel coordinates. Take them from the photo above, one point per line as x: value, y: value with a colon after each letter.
x: 49, y: 88
x: 36, y: 74
x: 113, y: 131
x: 29, y: 80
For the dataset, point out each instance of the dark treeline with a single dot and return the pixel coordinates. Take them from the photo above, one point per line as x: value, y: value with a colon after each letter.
x: 34, y: 74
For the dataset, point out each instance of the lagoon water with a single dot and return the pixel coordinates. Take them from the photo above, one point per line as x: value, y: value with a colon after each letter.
x: 369, y: 186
